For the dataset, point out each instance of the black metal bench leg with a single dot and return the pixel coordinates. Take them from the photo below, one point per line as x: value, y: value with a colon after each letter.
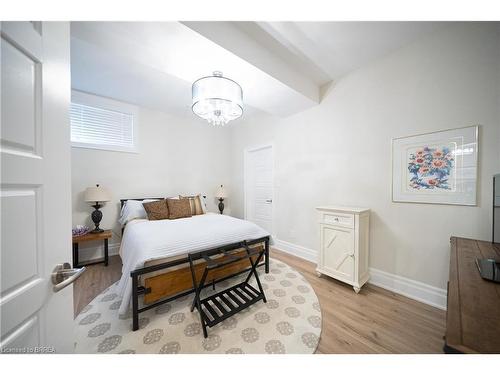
x: 135, y: 304
x: 197, y: 300
x: 253, y: 271
x: 257, y: 278
x: 106, y: 257
x: 267, y: 255
x: 193, y: 277
x: 205, y: 333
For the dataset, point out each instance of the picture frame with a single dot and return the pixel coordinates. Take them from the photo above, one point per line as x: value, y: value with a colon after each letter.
x: 437, y: 167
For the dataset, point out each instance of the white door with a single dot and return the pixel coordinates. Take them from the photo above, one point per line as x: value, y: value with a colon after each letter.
x: 259, y: 187
x: 35, y: 187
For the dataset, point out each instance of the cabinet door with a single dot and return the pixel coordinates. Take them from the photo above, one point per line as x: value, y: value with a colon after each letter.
x: 338, y: 251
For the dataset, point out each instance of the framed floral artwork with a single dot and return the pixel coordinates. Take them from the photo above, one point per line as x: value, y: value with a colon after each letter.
x: 438, y: 167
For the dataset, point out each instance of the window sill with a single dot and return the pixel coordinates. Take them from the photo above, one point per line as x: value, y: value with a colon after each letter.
x: 105, y: 148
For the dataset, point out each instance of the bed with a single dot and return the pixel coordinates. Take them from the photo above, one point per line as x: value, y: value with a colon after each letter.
x: 155, y: 256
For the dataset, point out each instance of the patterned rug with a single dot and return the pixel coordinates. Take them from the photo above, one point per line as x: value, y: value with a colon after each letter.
x: 290, y: 322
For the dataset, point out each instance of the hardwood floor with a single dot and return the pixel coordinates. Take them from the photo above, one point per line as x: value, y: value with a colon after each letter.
x: 373, y: 321
x: 93, y: 281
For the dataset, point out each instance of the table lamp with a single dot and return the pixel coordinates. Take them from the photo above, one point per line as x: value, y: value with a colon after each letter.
x: 97, y: 195
x: 221, y: 194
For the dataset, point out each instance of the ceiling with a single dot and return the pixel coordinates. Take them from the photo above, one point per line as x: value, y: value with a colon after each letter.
x: 281, y: 66
x: 336, y: 48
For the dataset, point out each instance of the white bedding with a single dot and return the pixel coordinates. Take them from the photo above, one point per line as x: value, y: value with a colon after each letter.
x: 145, y: 240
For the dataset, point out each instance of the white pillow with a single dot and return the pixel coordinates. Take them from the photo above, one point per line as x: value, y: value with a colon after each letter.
x: 133, y: 209
x: 203, y: 203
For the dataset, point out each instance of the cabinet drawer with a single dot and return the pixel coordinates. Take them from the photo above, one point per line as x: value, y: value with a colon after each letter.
x: 346, y: 220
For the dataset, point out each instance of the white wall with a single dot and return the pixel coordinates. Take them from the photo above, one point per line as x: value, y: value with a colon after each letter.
x: 340, y: 151
x: 175, y: 156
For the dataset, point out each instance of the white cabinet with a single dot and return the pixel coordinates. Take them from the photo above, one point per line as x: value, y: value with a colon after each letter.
x: 344, y: 244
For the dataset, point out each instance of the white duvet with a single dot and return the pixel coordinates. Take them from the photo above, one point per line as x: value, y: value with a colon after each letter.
x: 145, y: 240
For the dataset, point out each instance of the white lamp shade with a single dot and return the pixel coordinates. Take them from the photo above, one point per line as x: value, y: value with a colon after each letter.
x: 97, y: 194
x: 217, y: 99
x: 221, y: 192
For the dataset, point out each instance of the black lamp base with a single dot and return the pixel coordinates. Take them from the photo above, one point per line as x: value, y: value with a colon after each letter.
x: 221, y: 205
x: 96, y: 218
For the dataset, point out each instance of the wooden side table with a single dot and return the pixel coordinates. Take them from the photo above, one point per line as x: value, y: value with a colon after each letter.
x: 106, y: 235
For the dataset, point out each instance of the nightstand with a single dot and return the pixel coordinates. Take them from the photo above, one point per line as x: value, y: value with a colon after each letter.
x: 106, y: 235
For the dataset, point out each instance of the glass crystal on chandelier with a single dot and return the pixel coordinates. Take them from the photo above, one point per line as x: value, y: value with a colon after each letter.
x: 217, y: 99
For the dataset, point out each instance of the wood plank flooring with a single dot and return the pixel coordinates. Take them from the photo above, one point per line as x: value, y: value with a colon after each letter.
x: 93, y: 281
x: 373, y: 321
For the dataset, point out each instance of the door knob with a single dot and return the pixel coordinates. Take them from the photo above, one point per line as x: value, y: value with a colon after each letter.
x: 63, y: 275
x: 269, y: 201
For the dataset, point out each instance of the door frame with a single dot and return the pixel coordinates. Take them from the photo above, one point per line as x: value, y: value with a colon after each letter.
x: 246, y: 152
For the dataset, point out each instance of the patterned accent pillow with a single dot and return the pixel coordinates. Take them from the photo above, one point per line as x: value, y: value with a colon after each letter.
x: 195, y: 203
x: 157, y: 210
x: 178, y: 208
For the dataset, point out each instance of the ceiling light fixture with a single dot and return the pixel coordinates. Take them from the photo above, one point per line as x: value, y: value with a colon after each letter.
x: 217, y: 99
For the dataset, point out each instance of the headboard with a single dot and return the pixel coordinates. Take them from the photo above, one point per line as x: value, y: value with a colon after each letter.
x: 122, y: 201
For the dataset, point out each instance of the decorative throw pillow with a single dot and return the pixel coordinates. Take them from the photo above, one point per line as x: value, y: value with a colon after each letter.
x: 157, y: 210
x: 195, y: 203
x: 178, y: 208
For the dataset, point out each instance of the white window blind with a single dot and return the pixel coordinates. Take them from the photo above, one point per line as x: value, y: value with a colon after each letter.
x: 101, y: 128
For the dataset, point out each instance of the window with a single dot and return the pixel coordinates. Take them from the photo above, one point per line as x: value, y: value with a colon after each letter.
x: 101, y: 128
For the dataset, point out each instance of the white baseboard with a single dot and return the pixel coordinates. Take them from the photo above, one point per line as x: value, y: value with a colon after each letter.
x: 409, y: 288
x: 86, y: 254
x: 413, y: 289
x: 297, y: 250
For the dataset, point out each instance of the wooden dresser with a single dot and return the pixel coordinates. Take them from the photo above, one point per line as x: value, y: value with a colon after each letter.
x: 473, y: 313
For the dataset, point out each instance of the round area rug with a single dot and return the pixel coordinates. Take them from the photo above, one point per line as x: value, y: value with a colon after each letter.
x: 290, y: 322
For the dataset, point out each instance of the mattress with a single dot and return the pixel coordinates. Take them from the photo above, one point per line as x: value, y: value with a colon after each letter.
x: 145, y: 242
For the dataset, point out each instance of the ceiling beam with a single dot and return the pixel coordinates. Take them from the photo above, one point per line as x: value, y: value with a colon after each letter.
x: 241, y: 43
